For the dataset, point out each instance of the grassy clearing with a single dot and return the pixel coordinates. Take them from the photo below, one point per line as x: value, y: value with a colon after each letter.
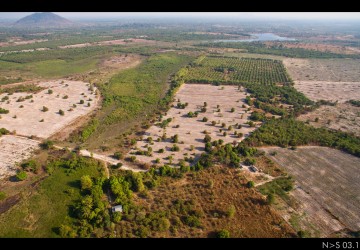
x: 134, y: 94
x: 42, y: 211
x: 280, y: 186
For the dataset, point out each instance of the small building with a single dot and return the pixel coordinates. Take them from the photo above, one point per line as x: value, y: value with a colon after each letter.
x: 117, y: 208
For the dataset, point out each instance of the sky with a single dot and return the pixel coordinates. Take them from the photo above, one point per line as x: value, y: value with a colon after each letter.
x: 232, y: 15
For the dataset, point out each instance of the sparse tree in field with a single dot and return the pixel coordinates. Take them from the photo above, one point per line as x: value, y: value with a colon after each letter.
x: 175, y: 148
x: 133, y: 141
x: 88, y: 104
x: 224, y: 134
x: 157, y: 160
x: 50, y: 91
x: 149, y: 139
x: 230, y: 128
x: 232, y: 110
x: 207, y: 138
x: 223, y: 125
x: 175, y: 138
x: 205, y: 104
x: 2, y: 195
x: 213, y: 123
x: 65, y: 97
x: 161, y: 150
x: 47, y: 144
x: 42, y: 120
x: 203, y: 109
x: 217, y: 106
x: 205, y: 119
x: 81, y: 101
x: 316, y: 119
x: 192, y: 147
x: 250, y: 184
x: 118, y: 155
x: 61, y: 112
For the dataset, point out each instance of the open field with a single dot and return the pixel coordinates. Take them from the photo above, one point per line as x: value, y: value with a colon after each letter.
x: 110, y: 42
x: 25, y: 110
x: 331, y: 70
x: 44, y: 205
x: 14, y: 149
x: 329, y: 180
x: 330, y: 91
x: 190, y: 130
x: 343, y: 116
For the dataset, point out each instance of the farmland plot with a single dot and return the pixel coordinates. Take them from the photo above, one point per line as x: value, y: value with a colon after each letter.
x: 327, y: 179
x: 190, y: 129
x: 27, y: 115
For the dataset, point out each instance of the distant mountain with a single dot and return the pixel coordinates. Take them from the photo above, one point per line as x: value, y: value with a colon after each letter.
x: 44, y: 20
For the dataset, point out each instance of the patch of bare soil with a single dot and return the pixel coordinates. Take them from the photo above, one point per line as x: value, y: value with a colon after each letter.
x: 343, y: 116
x: 327, y: 188
x: 26, y: 111
x: 14, y: 149
x: 331, y: 91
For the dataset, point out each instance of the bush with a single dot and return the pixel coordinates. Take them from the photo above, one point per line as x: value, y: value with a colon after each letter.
x: 270, y: 198
x: 118, y: 155
x: 232, y: 110
x: 205, y: 119
x: 81, y: 101
x: 50, y: 91
x: 175, y: 148
x: 2, y: 195
x: 207, y: 138
x: 61, y: 112
x: 47, y: 144
x: 223, y: 234
x: 250, y: 184
x: 231, y: 211
x: 161, y: 150
x: 21, y: 175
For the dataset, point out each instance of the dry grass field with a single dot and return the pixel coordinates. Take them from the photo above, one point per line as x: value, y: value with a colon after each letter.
x: 330, y: 70
x: 343, y: 116
x: 14, y: 149
x: 190, y: 131
x: 26, y: 115
x: 213, y: 191
x: 327, y: 186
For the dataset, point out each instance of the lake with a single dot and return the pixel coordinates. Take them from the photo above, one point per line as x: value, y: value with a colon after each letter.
x: 261, y: 37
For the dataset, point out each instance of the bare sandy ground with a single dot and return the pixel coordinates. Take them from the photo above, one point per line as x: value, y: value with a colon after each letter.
x: 343, y: 116
x: 110, y: 42
x: 331, y: 91
x: 5, y: 44
x: 14, y: 149
x: 27, y: 120
x: 328, y: 185
x: 190, y: 130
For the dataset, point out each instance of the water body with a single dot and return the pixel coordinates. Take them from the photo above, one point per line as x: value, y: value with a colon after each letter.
x: 260, y: 37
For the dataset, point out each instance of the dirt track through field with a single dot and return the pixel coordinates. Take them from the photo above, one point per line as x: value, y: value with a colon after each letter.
x: 330, y: 177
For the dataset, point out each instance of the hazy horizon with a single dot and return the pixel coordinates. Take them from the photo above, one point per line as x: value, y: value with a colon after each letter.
x: 316, y: 16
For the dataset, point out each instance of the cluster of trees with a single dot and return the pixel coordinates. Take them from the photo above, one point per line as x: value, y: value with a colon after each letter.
x: 28, y: 88
x: 4, y: 111
x: 262, y: 48
x: 355, y: 103
x: 286, y: 132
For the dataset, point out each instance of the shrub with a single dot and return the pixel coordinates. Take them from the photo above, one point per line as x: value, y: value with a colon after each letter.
x: 175, y: 148
x: 61, y: 112
x: 50, y: 91
x: 223, y: 234
x: 81, y: 101
x: 270, y: 198
x: 231, y: 211
x: 2, y: 195
x: 205, y: 119
x: 250, y: 184
x: 232, y: 110
x: 161, y: 150
x: 65, y: 97
x: 47, y: 144
x: 207, y: 138
x: 118, y: 155
x: 21, y: 175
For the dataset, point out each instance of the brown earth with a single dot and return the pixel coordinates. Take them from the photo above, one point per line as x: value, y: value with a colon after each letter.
x: 327, y: 188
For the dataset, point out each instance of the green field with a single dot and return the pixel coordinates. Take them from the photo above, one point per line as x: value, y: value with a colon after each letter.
x: 133, y: 95
x: 41, y: 213
x: 230, y: 69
